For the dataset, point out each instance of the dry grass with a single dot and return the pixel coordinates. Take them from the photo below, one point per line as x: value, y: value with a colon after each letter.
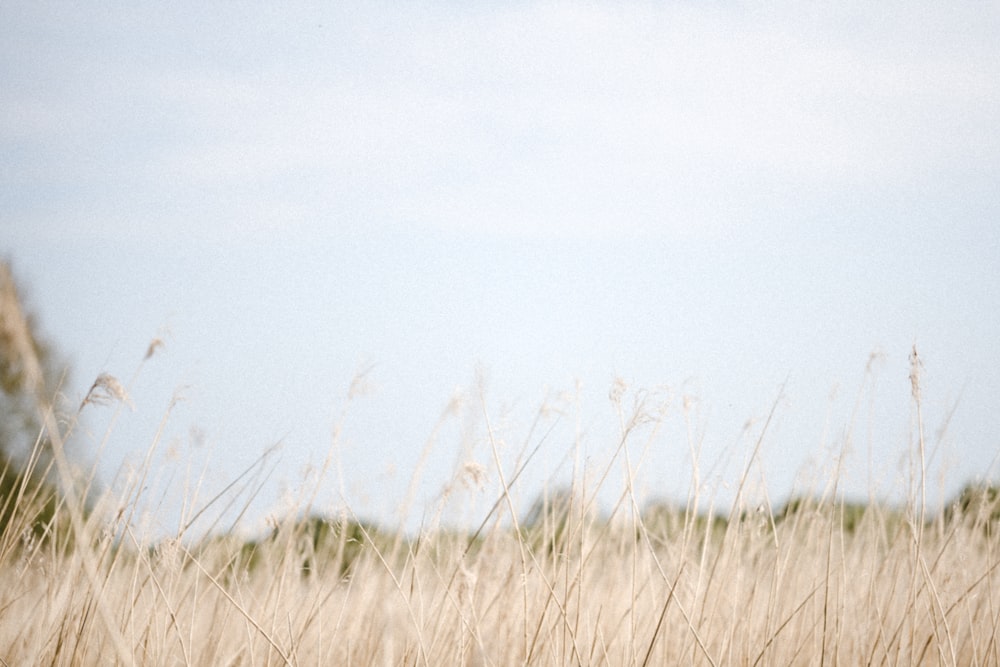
x: 819, y: 583
x: 802, y: 591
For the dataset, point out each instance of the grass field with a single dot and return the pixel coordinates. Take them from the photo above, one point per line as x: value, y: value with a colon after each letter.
x: 817, y: 581
x: 812, y: 582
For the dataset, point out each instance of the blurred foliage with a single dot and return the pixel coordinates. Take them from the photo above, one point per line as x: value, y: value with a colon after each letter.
x: 317, y: 541
x: 29, y: 506
x: 548, y: 522
x: 29, y: 368
x: 320, y: 546
x: 666, y: 522
x: 976, y: 505
x: 315, y: 545
x: 851, y: 514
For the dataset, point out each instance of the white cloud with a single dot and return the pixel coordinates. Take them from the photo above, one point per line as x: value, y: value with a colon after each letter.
x: 539, y: 119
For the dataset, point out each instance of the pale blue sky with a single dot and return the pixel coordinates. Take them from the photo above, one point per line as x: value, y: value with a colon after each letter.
x: 709, y: 198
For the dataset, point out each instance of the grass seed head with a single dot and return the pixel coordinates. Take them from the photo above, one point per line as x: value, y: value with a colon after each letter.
x: 106, y: 390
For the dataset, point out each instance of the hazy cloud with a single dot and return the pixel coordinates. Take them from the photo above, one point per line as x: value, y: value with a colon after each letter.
x: 533, y: 119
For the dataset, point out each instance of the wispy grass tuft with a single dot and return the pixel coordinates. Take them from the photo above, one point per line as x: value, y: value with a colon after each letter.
x: 817, y: 580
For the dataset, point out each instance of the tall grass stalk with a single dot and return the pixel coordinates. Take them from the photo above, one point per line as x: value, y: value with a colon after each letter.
x: 818, y: 580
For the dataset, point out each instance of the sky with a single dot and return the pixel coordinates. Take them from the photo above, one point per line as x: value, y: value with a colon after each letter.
x: 364, y: 231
